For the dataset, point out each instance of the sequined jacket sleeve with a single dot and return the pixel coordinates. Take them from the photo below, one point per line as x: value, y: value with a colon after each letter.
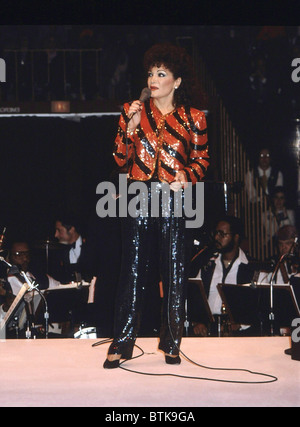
x: 164, y: 144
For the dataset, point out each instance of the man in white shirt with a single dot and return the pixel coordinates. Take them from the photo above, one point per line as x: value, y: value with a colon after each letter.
x: 229, y: 265
x: 67, y: 263
x: 268, y: 176
x: 67, y: 234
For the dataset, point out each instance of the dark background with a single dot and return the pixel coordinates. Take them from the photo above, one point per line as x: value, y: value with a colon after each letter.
x: 51, y: 163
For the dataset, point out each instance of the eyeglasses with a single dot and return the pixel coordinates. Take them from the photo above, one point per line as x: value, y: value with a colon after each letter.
x: 264, y: 155
x: 221, y: 233
x: 22, y: 253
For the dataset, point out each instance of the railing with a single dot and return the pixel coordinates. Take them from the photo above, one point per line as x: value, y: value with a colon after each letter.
x: 49, y: 74
x: 243, y: 194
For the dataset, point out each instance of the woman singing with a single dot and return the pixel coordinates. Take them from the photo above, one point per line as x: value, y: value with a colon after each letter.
x: 162, y: 140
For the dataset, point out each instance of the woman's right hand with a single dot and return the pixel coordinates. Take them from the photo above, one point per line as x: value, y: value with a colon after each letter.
x: 134, y: 111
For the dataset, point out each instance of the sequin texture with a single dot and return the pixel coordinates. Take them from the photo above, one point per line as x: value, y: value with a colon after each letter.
x: 138, y: 237
x: 160, y: 147
x: 164, y: 144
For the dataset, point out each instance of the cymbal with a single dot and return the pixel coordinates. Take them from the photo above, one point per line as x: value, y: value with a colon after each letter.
x: 46, y: 244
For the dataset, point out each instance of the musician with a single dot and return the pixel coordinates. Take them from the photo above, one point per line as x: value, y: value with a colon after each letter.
x: 286, y: 240
x: 19, y: 256
x: 229, y: 264
x: 287, y: 264
x: 279, y: 215
x: 68, y: 262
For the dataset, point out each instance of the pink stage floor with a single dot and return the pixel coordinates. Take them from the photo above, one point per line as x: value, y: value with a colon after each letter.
x: 69, y: 373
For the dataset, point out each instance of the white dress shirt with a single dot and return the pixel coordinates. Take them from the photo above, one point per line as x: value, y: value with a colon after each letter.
x: 74, y: 253
x: 250, y: 184
x: 214, y: 299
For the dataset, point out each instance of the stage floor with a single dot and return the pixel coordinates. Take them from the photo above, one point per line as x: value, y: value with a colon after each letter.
x: 69, y: 373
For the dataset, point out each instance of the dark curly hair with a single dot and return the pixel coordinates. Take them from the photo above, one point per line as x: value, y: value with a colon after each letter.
x: 178, y: 61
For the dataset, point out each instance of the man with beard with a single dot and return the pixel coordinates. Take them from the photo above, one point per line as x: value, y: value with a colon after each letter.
x: 229, y: 264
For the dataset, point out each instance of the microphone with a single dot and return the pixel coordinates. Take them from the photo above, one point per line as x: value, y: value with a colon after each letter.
x: 291, y: 252
x: 15, y: 271
x: 145, y: 94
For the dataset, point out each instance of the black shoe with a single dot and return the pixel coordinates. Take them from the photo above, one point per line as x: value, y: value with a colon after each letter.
x: 173, y: 360
x: 125, y: 354
x: 115, y: 363
x: 111, y: 364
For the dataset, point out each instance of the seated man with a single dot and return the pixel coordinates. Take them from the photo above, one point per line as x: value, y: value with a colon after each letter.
x: 19, y: 257
x: 286, y: 241
x: 284, y: 267
x: 87, y: 259
x: 67, y: 264
x: 228, y: 265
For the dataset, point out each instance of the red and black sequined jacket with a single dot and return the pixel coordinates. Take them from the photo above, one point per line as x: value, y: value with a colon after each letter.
x: 164, y: 144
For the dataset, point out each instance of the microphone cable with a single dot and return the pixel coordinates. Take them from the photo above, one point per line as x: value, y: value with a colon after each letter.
x: 268, y: 377
x: 271, y: 378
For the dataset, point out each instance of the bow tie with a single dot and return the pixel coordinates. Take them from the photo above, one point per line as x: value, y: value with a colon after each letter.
x: 72, y: 245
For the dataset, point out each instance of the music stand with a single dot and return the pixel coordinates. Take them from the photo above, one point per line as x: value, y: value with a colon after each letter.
x: 12, y: 310
x: 250, y: 305
x: 28, y: 285
x: 197, y: 295
x: 65, y: 303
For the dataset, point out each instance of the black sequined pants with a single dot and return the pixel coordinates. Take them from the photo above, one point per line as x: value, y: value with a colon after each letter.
x: 140, y: 237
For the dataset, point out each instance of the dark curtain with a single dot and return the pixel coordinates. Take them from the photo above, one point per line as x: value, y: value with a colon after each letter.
x: 51, y: 163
